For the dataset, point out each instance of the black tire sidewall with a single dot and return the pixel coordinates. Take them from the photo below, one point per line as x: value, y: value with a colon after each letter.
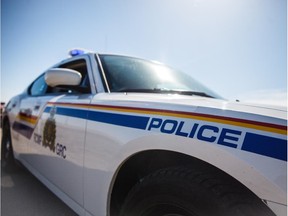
x: 193, y: 193
x: 7, y: 155
x: 171, y: 191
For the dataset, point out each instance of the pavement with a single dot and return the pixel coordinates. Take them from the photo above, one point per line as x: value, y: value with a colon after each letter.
x: 23, y: 195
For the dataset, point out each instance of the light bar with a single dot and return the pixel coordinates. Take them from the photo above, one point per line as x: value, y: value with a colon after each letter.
x: 76, y: 52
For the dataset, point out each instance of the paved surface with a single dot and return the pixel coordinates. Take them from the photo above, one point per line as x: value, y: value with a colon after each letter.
x: 23, y: 195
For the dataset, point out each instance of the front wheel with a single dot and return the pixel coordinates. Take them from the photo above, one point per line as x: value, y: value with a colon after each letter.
x: 7, y: 156
x: 185, y: 192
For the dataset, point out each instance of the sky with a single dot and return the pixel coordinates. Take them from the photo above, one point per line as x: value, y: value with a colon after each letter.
x: 237, y: 48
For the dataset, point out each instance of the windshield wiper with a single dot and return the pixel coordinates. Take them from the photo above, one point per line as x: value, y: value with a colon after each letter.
x: 166, y: 91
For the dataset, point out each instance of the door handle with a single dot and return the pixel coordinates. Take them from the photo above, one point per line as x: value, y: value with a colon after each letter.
x: 36, y: 107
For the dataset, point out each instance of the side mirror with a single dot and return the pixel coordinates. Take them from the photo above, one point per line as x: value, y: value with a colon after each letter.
x: 62, y: 76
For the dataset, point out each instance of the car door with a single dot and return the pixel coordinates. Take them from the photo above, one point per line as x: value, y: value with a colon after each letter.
x: 57, y: 147
x: 30, y: 104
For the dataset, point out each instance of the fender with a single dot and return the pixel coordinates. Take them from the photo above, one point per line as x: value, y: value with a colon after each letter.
x: 230, y: 161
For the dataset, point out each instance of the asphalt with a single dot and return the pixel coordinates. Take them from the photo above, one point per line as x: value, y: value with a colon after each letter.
x: 23, y: 195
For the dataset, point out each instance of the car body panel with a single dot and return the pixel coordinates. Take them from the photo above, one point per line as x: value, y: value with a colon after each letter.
x: 76, y: 143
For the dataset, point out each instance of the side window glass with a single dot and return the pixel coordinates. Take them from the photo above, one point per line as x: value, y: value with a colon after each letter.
x: 39, y: 87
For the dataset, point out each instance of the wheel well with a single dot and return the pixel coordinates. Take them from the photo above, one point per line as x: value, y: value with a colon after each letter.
x: 144, y: 163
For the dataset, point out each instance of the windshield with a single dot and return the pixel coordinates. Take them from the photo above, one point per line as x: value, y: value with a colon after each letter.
x: 128, y: 74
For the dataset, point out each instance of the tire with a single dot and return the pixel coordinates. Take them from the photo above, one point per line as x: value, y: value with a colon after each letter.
x: 185, y: 192
x: 7, y: 155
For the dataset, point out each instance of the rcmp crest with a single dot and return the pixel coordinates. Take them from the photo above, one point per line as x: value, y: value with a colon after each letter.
x: 49, y: 132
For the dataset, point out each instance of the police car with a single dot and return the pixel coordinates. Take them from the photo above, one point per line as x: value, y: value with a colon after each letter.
x: 117, y: 135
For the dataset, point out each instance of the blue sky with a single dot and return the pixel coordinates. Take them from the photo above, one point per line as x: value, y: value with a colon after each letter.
x: 237, y: 48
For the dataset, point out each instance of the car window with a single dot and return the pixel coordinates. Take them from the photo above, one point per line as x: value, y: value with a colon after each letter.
x: 38, y: 87
x: 137, y: 75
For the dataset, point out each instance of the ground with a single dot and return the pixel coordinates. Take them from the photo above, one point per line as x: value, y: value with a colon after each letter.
x: 23, y: 195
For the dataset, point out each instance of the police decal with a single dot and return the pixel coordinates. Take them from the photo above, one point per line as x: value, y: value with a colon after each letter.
x: 48, y: 139
x: 60, y: 150
x: 204, y: 132
x: 49, y: 132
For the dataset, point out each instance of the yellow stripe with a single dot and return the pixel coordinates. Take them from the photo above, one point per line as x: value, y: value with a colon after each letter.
x: 27, y: 119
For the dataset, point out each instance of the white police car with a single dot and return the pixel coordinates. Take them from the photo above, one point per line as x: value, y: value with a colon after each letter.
x: 116, y: 135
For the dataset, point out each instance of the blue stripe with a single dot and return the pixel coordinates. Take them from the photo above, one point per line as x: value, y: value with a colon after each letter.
x: 47, y: 109
x: 77, y: 113
x: 131, y: 121
x: 264, y: 145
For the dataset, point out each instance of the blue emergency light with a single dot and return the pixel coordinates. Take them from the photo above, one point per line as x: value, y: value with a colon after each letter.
x: 76, y: 52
